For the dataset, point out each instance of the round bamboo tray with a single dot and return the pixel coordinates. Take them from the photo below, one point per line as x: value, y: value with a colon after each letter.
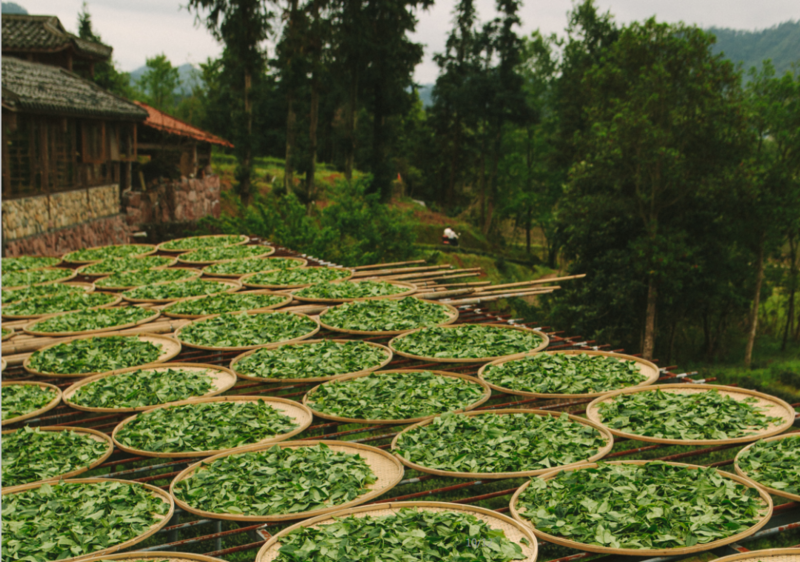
x: 765, y: 515
x: 268, y: 251
x: 245, y: 279
x: 646, y: 367
x: 540, y: 347
x: 451, y: 311
x: 246, y: 347
x: 233, y: 286
x: 387, y: 470
x: 487, y: 393
x: 157, y: 492
x: 195, y: 273
x: 773, y: 491
x: 28, y: 328
x: 301, y: 263
x: 243, y: 239
x: 169, y: 349
x: 69, y: 274
x: 116, y: 301
x: 287, y: 299
x: 410, y: 289
x: 368, y: 370
x: 602, y: 452
x: 513, y: 530
x: 46, y: 408
x: 59, y: 262
x: 147, y: 249
x: 3, y: 364
x: 768, y: 555
x: 300, y: 415
x: 775, y: 408
x: 10, y: 335
x: 81, y: 269
x: 222, y: 380
x: 158, y: 556
x: 88, y: 287
x: 96, y: 435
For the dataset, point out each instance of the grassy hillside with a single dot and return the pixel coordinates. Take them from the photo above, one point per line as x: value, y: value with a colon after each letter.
x: 780, y: 44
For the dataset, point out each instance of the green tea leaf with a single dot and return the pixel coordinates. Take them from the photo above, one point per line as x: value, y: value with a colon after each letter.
x: 198, y: 242
x: 17, y: 295
x: 298, y: 276
x: 181, y: 290
x: 97, y: 319
x: 467, y: 341
x: 110, y: 266
x: 105, y: 252
x: 385, y: 315
x: 35, y: 276
x: 21, y: 399
x: 27, y: 262
x: 775, y: 464
x: 350, y: 290
x: 225, y: 253
x: 250, y: 265
x: 95, y: 355
x: 147, y: 277
x: 225, y: 302
x: 54, y: 304
x: 244, y: 330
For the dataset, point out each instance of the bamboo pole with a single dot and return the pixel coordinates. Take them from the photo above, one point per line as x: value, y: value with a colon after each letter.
x: 379, y: 265
x: 537, y: 281
x: 427, y: 276
x: 443, y: 294
x: 451, y: 276
x: 490, y: 293
x: 385, y: 272
x: 445, y: 286
x: 492, y: 298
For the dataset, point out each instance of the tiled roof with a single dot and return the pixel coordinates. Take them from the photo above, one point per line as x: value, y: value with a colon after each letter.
x: 169, y: 124
x: 49, y: 89
x: 46, y: 34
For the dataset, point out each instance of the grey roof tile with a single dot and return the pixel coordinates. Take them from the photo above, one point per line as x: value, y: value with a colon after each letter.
x: 45, y: 33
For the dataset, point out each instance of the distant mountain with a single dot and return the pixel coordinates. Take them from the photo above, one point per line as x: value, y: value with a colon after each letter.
x: 14, y: 8
x: 426, y: 94
x: 189, y: 75
x: 780, y: 43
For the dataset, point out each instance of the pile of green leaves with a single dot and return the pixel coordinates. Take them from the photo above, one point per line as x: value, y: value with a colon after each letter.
x: 17, y: 295
x: 105, y: 252
x: 225, y: 253
x: 34, y: 276
x: 245, y: 330
x: 31, y: 455
x: 499, y: 443
x: 225, y: 302
x: 410, y: 535
x: 111, y: 266
x: 394, y: 396
x: 634, y: 507
x: 670, y: 415
x: 143, y: 388
x: 467, y: 341
x: 350, y: 290
x: 385, y: 315
x: 775, y: 464
x: 296, y: 276
x: 326, y: 358
x: 180, y: 290
x: 276, y: 481
x: 147, y: 277
x: 565, y: 374
x: 7, y: 331
x: 250, y: 265
x: 63, y: 520
x: 53, y: 304
x: 199, y: 242
x: 97, y: 319
x: 27, y: 262
x: 21, y: 399
x: 94, y: 355
x: 207, y: 426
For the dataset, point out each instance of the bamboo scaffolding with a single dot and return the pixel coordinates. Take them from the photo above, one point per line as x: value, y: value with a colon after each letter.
x: 535, y: 282
x: 491, y: 293
x: 491, y: 298
x: 379, y: 265
x: 450, y: 276
x: 444, y: 294
x: 385, y: 272
x: 445, y: 286
x: 430, y: 275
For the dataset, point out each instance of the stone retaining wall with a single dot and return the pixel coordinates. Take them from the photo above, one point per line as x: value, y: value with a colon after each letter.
x: 174, y: 201
x: 96, y: 232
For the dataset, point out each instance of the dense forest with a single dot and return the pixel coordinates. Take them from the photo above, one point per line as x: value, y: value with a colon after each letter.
x: 634, y: 153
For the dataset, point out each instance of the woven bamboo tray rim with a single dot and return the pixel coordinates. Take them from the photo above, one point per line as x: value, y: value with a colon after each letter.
x: 244, y: 278
x: 147, y: 249
x: 602, y: 452
x: 246, y: 347
x: 645, y: 366
x: 268, y: 251
x: 513, y: 530
x: 195, y: 273
x: 300, y: 415
x: 386, y: 468
x: 10, y: 335
x: 159, y: 493
x: 766, y: 514
x: 81, y: 269
x: 776, y: 408
x: 243, y: 239
x: 160, y: 556
x: 27, y: 328
x: 59, y: 262
x: 94, y: 434
x: 3, y: 364
x: 72, y: 275
x: 169, y: 349
x: 540, y: 347
x: 450, y: 309
x: 233, y: 286
x: 223, y: 380
x: 87, y: 287
x: 302, y: 261
x: 46, y: 408
x: 116, y: 300
x: 487, y: 393
x: 287, y: 300
x: 367, y: 370
x: 768, y: 555
x: 410, y: 289
x: 773, y: 491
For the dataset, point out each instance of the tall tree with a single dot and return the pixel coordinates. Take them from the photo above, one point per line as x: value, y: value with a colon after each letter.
x: 106, y: 74
x: 159, y: 83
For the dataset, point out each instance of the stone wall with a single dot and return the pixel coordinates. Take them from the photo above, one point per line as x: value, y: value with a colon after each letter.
x: 96, y: 232
x: 173, y: 201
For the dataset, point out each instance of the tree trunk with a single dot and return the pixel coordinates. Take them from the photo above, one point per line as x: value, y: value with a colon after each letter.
x: 246, y: 162
x: 288, y: 173
x: 449, y: 195
x: 313, y: 118
x: 498, y: 143
x: 528, y: 231
x: 751, y: 332
x: 350, y: 128
x: 792, y: 289
x: 649, y: 344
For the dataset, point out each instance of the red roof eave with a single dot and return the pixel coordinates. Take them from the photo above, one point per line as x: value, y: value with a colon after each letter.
x: 167, y: 123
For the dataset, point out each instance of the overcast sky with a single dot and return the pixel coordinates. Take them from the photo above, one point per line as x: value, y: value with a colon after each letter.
x: 141, y: 28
